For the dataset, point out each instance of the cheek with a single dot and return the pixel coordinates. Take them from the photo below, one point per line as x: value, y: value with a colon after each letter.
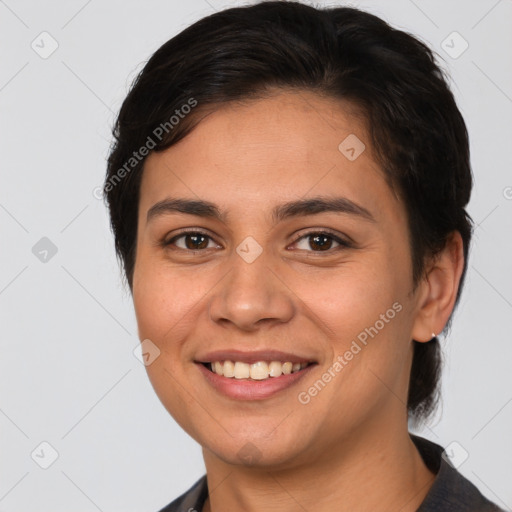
x: 164, y: 298
x: 164, y: 306
x: 352, y: 297
x: 364, y: 313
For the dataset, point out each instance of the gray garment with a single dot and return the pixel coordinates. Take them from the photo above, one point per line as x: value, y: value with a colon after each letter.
x: 451, y: 492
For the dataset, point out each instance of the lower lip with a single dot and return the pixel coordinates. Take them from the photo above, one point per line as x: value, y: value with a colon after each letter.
x: 245, y: 389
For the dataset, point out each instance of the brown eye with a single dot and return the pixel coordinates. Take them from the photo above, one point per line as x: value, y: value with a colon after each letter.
x: 319, y: 241
x: 190, y: 240
x: 196, y: 241
x: 322, y: 242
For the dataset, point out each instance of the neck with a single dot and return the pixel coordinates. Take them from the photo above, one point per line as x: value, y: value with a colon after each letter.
x: 373, y: 469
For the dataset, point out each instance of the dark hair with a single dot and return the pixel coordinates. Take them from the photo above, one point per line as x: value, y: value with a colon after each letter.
x: 416, y: 129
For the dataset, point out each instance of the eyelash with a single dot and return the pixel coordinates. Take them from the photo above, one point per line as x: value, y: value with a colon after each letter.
x: 343, y: 244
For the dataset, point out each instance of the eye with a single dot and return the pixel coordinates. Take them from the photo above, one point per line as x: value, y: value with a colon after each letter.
x: 320, y: 241
x: 314, y: 241
x: 191, y: 241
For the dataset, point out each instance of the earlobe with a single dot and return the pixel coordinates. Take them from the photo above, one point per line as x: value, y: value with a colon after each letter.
x: 439, y: 290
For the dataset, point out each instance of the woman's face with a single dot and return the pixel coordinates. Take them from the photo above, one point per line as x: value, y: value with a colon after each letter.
x: 260, y: 277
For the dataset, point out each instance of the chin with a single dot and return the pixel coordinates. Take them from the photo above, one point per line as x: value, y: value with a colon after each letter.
x: 255, y: 451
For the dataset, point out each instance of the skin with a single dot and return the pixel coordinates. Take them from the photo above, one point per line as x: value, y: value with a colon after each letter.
x: 348, y: 448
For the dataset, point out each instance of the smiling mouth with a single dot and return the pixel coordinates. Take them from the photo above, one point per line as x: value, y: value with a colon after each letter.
x: 261, y: 370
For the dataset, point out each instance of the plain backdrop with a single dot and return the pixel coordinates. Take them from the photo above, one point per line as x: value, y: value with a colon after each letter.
x: 69, y: 377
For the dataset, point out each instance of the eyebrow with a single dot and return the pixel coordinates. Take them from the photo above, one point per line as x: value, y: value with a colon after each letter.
x: 301, y: 207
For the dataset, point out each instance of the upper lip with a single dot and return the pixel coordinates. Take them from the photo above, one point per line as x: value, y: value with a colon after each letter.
x: 252, y: 356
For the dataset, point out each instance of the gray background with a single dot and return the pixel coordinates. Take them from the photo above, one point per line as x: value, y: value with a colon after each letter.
x: 68, y: 374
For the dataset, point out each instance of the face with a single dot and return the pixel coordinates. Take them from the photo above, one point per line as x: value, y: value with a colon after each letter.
x: 326, y: 282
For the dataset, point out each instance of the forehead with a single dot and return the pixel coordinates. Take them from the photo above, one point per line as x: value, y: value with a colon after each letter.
x: 283, y: 147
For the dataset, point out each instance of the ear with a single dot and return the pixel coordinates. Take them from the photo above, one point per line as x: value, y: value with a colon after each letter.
x: 438, y: 290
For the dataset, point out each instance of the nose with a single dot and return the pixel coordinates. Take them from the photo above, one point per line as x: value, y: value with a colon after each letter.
x: 251, y: 295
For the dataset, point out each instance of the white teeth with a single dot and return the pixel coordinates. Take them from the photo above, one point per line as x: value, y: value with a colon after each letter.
x: 218, y: 368
x: 287, y: 368
x: 242, y: 370
x: 275, y: 369
x: 260, y: 370
x: 228, y: 368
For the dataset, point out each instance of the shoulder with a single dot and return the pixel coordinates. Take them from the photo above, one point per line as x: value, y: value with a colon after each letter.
x: 191, y: 500
x: 451, y: 491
